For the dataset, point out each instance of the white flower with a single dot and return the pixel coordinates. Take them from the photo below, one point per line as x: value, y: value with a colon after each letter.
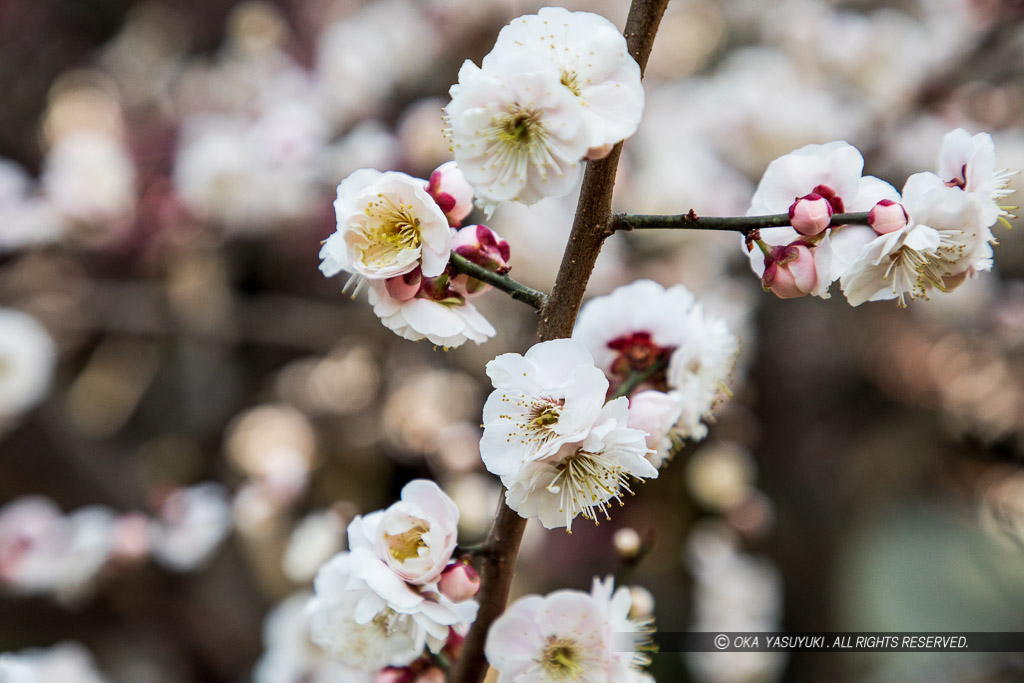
x: 968, y: 163
x: 552, y: 639
x: 582, y: 477
x: 627, y: 638
x: 517, y: 134
x: 944, y: 241
x: 449, y: 323
x: 387, y: 226
x: 646, y: 328
x: 191, y: 525
x: 90, y: 177
x: 45, y: 553
x: 317, y: 538
x: 27, y: 359
x: 547, y: 398
x: 591, y: 59
x: 290, y: 656
x: 415, y: 536
x: 341, y: 625
x: 67, y: 662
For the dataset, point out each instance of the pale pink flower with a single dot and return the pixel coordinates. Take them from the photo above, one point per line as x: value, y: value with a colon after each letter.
x: 452, y: 192
x: 190, y: 526
x: 656, y: 413
x: 415, y: 537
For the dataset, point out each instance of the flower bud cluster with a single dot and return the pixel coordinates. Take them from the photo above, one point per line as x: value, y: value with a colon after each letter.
x: 397, y: 591
x: 930, y: 237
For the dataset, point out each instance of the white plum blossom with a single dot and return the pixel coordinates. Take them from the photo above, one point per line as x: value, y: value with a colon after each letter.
x: 448, y: 322
x: 43, y: 552
x: 313, y: 541
x: 968, y: 162
x: 645, y: 328
x: 591, y: 59
x: 656, y: 413
x: 550, y: 639
x: 27, y: 359
x: 548, y: 397
x: 415, y: 536
x: 387, y: 226
x: 66, y: 662
x: 191, y: 524
x: 517, y: 134
x: 569, y: 635
x: 944, y: 242
x: 290, y: 656
x: 582, y: 478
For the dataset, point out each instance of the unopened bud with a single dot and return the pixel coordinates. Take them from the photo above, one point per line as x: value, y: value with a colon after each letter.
x: 810, y: 214
x: 790, y: 271
x: 627, y: 543
x: 459, y: 582
x: 452, y: 192
x: 404, y: 287
x: 887, y: 216
x: 483, y: 246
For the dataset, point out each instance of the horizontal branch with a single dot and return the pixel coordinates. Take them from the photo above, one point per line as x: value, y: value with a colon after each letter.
x: 691, y: 221
x: 516, y: 290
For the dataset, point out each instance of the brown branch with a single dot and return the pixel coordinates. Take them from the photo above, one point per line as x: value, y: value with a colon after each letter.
x: 589, y: 230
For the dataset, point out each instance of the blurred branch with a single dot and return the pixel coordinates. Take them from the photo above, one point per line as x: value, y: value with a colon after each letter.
x: 516, y: 290
x: 625, y: 222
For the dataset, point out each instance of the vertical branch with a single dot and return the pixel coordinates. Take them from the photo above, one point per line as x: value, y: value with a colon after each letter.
x: 589, y: 230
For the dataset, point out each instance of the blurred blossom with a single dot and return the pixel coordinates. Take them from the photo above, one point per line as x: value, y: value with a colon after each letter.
x: 275, y: 444
x: 421, y: 133
x: 43, y: 552
x: 427, y: 401
x: 291, y: 657
x: 83, y: 100
x: 27, y: 359
x: 90, y: 177
x: 66, y: 662
x: 459, y: 447
x: 190, y: 526
x: 720, y: 476
x: 733, y: 592
x: 313, y: 541
x: 344, y: 382
x: 26, y: 219
x: 258, y: 512
x: 1001, y: 509
x: 476, y: 496
x: 368, y: 145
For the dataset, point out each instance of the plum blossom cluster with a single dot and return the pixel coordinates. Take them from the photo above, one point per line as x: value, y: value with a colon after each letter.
x: 559, y: 448
x: 67, y: 662
x: 395, y: 235
x: 570, y: 635
x: 931, y: 237
x: 558, y: 88
x: 63, y: 556
x: 662, y: 349
x: 397, y: 592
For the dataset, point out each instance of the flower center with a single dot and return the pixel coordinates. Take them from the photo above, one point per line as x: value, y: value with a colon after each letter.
x: 560, y: 659
x: 406, y: 545
x: 585, y: 483
x: 519, y: 127
x: 912, y: 273
x: 571, y: 80
x: 544, y: 415
x: 392, y: 228
x: 637, y: 354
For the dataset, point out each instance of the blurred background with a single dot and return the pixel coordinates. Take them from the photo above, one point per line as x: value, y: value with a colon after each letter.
x: 190, y: 413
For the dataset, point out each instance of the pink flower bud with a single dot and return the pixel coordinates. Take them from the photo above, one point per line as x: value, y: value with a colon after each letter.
x: 404, y: 287
x: 810, y: 214
x: 484, y: 247
x: 459, y: 582
x: 452, y: 192
x: 887, y: 216
x: 595, y: 153
x: 790, y: 271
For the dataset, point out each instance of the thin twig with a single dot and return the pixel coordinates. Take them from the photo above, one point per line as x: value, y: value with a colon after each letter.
x: 625, y: 222
x: 516, y: 290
